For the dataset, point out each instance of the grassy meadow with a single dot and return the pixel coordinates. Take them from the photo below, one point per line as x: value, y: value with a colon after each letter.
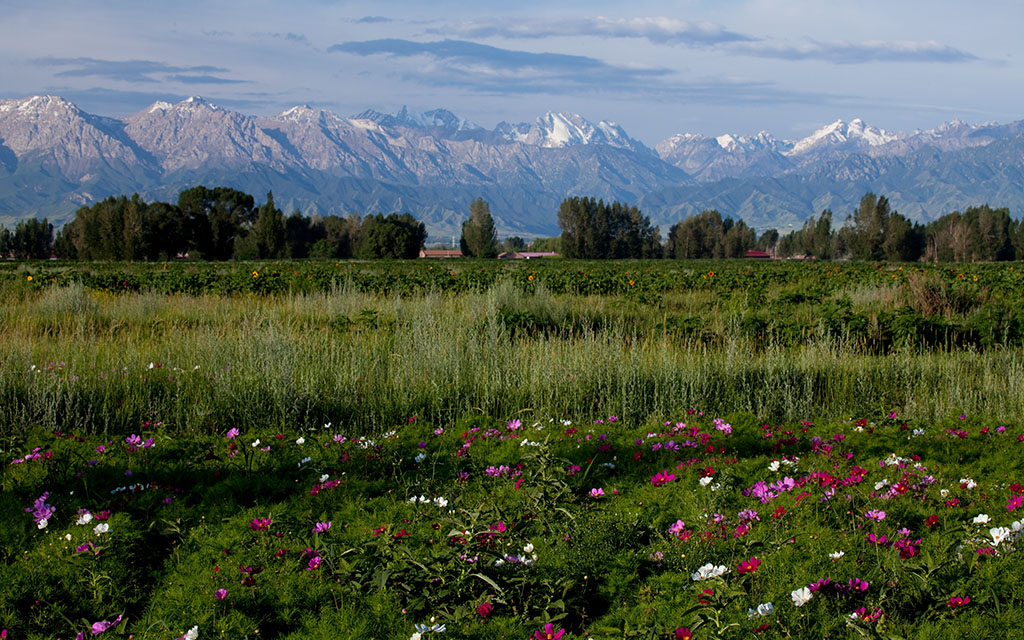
x: 482, y: 449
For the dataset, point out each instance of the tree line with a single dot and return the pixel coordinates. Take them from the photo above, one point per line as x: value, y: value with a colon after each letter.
x: 875, y: 232
x: 213, y: 224
x: 222, y: 224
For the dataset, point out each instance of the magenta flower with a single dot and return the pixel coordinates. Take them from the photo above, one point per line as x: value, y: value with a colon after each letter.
x: 748, y: 566
x: 321, y: 527
x: 957, y: 601
x: 857, y: 585
x: 548, y: 633
x: 260, y: 524
x: 663, y: 477
x: 314, y: 563
x: 103, y: 625
x: 221, y: 594
x: 597, y: 493
x: 232, y: 433
x: 875, y: 514
x: 1016, y: 500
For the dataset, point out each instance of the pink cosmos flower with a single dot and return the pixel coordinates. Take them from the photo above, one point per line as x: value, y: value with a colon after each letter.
x: 663, y: 477
x: 957, y: 601
x: 260, y: 524
x: 220, y: 594
x: 548, y: 633
x: 748, y: 566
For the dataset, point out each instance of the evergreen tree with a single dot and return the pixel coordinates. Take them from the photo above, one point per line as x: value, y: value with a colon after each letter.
x: 870, y: 220
x: 268, y: 230
x: 479, y: 237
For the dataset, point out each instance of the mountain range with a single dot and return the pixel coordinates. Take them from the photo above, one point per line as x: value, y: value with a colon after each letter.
x: 54, y: 158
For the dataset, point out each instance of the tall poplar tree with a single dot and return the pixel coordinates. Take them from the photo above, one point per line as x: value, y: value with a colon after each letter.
x: 479, y: 237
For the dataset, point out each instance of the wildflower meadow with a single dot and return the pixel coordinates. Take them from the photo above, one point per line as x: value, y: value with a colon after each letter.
x: 507, y: 461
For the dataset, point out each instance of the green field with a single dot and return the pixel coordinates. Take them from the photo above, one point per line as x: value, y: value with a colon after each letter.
x: 531, y: 404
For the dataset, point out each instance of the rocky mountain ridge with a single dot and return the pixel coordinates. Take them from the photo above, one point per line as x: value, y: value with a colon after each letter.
x: 55, y: 157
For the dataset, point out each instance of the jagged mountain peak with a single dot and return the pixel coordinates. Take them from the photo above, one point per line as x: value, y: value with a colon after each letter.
x: 197, y: 102
x: 556, y: 130
x: 36, y: 105
x: 442, y: 119
x: 855, y: 133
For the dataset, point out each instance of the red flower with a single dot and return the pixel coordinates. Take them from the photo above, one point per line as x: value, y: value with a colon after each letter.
x: 748, y: 566
x: 485, y: 609
x: 932, y: 520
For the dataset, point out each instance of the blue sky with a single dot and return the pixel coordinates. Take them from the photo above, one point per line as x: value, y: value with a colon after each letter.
x: 656, y: 68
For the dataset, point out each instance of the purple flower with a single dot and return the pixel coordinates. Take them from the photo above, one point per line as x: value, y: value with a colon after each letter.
x: 232, y: 433
x: 875, y: 514
x: 103, y: 625
x: 221, y: 594
x: 321, y: 527
x: 597, y: 493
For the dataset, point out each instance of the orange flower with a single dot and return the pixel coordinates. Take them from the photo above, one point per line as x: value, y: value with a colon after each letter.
x: 530, y: 278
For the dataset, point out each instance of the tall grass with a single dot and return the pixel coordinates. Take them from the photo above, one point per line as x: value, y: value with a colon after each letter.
x: 74, y: 359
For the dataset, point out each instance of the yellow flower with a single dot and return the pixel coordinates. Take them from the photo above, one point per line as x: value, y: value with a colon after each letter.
x: 530, y: 278
x: 255, y: 274
x: 30, y: 278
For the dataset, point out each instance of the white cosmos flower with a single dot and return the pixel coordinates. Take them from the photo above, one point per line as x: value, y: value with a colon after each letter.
x: 763, y: 609
x: 102, y: 527
x: 192, y: 633
x: 999, y: 534
x: 705, y: 481
x: 85, y: 518
x: 709, y: 571
x: 801, y: 596
x: 301, y: 440
x: 835, y: 555
x: 981, y: 518
x: 774, y: 466
x: 42, y: 523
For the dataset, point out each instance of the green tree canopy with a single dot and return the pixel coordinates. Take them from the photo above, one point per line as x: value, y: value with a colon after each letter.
x: 479, y: 237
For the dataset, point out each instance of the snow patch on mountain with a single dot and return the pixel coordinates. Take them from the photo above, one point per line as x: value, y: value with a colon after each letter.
x: 841, y: 134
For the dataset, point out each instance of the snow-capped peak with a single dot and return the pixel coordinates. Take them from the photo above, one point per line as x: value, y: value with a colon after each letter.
x: 855, y: 133
x: 408, y: 118
x: 196, y: 102
x: 302, y: 112
x: 159, y: 105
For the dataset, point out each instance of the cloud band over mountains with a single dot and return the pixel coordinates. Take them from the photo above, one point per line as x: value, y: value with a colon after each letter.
x: 671, y: 31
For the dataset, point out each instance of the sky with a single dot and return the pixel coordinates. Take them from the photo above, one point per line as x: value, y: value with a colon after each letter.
x: 713, y: 67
